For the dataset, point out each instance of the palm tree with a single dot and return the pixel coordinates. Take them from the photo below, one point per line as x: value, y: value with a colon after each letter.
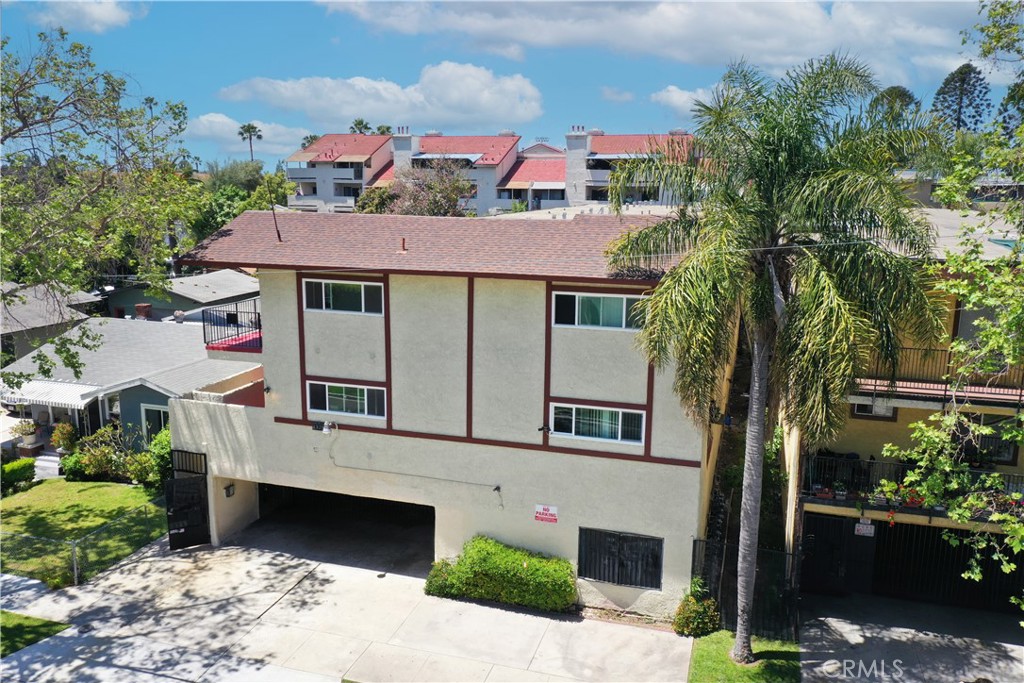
x: 383, y: 129
x: 248, y: 131
x: 791, y: 218
x: 359, y: 127
x: 309, y: 140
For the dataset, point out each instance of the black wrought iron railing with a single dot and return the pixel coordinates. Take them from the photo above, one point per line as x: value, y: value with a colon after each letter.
x: 929, y: 372
x: 237, y: 325
x: 858, y: 479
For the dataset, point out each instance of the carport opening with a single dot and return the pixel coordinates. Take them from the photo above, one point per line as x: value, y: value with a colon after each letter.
x: 386, y: 536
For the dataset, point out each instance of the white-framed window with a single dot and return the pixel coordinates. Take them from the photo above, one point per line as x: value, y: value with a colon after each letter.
x: 346, y: 399
x: 606, y: 424
x: 617, y: 311
x: 154, y: 419
x: 347, y: 297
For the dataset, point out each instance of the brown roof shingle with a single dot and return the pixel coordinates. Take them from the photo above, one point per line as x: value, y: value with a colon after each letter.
x: 570, y: 249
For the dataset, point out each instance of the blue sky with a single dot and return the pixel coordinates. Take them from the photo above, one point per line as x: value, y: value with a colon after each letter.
x: 475, y: 68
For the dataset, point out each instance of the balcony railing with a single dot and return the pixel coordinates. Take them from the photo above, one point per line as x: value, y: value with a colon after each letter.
x: 924, y: 373
x: 234, y: 327
x: 823, y: 474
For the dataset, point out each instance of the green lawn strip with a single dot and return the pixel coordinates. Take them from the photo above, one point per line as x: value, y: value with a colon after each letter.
x: 18, y: 631
x: 778, y: 661
x: 64, y: 511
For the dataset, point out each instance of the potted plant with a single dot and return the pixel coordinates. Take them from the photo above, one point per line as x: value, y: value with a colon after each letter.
x: 840, y: 489
x: 27, y: 430
x: 64, y: 437
x: 825, y: 493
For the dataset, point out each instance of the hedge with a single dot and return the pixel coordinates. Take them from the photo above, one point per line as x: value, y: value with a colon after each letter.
x: 489, y: 570
x: 22, y: 470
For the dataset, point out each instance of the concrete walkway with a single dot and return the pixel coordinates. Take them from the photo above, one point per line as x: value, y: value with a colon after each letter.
x: 867, y: 638
x: 243, y: 613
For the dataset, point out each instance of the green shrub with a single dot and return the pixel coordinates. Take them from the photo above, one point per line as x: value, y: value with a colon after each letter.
x: 74, y: 468
x: 160, y: 449
x: 698, y: 614
x: 489, y: 570
x: 438, y: 581
x: 14, y: 473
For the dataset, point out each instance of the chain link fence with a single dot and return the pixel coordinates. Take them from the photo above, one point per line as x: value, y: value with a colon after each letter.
x: 63, y: 563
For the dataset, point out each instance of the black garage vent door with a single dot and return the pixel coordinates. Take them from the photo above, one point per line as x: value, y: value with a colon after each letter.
x: 620, y: 558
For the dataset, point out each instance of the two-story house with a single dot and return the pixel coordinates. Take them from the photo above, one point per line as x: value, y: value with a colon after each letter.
x: 851, y: 540
x: 489, y: 375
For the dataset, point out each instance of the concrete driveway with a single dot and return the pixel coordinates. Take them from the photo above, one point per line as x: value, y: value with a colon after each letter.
x: 867, y: 638
x: 278, y: 605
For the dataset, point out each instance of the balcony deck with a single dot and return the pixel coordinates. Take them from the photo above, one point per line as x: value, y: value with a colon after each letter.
x: 823, y: 474
x: 234, y: 327
x: 924, y: 373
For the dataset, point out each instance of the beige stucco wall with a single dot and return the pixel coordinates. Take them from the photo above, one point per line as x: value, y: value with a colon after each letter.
x: 429, y: 336
x: 577, y: 370
x: 231, y: 515
x: 508, y: 360
x: 457, y: 479
x: 280, y: 355
x: 347, y: 345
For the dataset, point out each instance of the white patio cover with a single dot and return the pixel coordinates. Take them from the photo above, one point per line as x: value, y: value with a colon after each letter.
x: 50, y: 393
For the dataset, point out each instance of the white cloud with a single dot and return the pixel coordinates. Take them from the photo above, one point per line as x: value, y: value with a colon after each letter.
x: 447, y: 94
x: 679, y: 100
x: 277, y: 139
x: 94, y: 16
x: 613, y: 94
x: 900, y: 40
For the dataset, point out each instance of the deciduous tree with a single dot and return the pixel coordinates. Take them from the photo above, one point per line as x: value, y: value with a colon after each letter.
x: 93, y: 179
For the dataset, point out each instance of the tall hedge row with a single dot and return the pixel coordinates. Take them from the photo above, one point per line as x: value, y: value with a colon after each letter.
x: 489, y: 570
x: 13, y: 473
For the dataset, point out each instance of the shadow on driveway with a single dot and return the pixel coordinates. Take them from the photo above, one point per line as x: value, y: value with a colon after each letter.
x: 868, y: 638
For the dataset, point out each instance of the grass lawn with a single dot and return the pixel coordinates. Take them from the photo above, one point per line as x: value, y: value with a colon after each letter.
x: 65, y: 511
x: 778, y: 661
x: 18, y: 631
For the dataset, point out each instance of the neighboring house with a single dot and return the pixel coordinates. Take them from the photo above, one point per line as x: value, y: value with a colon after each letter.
x: 486, y: 160
x: 331, y: 173
x: 537, y: 181
x: 136, y: 367
x: 491, y: 375
x: 854, y: 545
x: 33, y: 315
x: 591, y: 155
x: 188, y: 293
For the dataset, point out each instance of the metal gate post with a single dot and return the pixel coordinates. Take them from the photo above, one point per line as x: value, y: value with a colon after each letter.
x: 74, y: 560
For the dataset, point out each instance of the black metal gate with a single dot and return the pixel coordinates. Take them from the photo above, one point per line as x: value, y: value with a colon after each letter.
x: 906, y: 561
x: 188, y: 518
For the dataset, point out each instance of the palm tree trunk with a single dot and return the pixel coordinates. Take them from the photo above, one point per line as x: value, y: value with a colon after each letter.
x: 251, y: 156
x: 750, y: 510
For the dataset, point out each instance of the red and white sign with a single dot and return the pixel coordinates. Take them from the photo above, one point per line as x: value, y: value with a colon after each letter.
x: 864, y: 529
x: 546, y: 513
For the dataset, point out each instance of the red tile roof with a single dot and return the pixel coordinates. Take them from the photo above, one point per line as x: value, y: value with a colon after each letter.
x: 332, y: 146
x: 494, y: 148
x: 534, y: 170
x: 557, y: 249
x: 627, y: 144
x: 385, y: 176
